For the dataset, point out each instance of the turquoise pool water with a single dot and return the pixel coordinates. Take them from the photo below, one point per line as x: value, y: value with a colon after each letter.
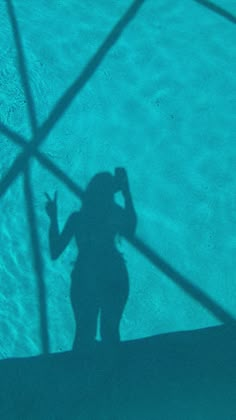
x: 158, y: 98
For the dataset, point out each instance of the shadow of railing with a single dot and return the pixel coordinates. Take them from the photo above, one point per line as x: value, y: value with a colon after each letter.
x: 22, y: 67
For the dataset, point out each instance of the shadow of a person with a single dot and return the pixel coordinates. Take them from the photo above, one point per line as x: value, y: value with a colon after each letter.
x: 100, y: 284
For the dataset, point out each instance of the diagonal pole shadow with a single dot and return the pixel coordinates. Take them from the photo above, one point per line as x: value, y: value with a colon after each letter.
x: 195, y: 292
x: 217, y: 9
x: 88, y: 71
x: 12, y: 135
x: 43, y: 159
x: 51, y: 167
x: 70, y: 94
x: 190, y: 289
x: 22, y: 67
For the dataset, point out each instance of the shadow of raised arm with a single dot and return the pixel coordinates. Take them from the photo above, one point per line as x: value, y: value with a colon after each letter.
x: 58, y: 241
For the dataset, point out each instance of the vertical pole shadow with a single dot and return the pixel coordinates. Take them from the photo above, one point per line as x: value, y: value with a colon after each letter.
x: 217, y: 9
x: 37, y: 260
x: 15, y: 170
x: 22, y: 67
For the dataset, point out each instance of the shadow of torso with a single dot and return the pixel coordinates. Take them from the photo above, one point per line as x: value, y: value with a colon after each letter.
x: 100, y: 283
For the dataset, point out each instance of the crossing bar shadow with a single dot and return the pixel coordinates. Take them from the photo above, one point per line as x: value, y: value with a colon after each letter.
x: 217, y: 9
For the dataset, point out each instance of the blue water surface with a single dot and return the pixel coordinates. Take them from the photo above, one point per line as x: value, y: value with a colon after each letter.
x: 155, y: 95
